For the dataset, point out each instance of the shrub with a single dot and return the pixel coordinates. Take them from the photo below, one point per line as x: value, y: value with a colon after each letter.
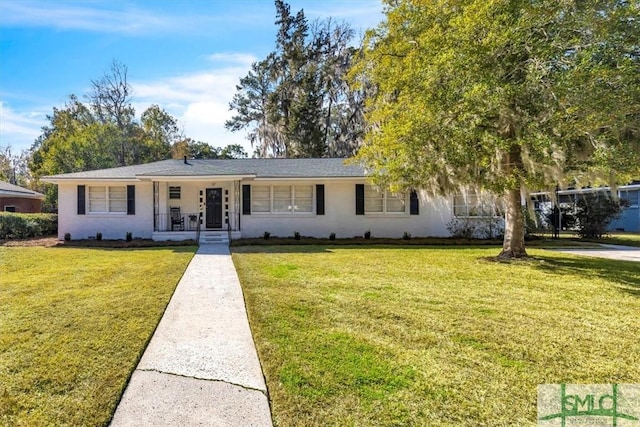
x: 21, y: 225
x: 296, y: 235
x: 332, y: 236
x: 367, y: 234
x: 491, y: 228
x: 67, y: 237
x: 129, y: 236
x: 98, y: 236
x: 266, y: 235
x: 568, y: 219
x: 594, y: 212
x: 461, y: 228
x: 406, y: 236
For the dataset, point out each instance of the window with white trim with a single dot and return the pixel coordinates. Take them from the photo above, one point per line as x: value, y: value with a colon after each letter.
x: 282, y: 198
x: 380, y: 201
x: 108, y: 199
x: 473, y: 205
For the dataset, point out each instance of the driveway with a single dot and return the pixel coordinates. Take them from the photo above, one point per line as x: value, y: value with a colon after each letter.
x: 618, y: 252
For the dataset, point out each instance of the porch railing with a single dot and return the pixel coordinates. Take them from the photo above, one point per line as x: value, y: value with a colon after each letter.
x: 184, y: 222
x: 188, y: 221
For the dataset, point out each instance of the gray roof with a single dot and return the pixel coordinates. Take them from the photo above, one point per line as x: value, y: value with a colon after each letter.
x: 8, y: 189
x: 260, y: 168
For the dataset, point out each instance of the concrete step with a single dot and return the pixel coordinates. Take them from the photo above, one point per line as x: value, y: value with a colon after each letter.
x: 214, y: 237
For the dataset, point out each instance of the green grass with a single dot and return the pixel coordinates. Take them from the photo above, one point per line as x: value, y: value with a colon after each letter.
x: 433, y: 336
x: 628, y: 239
x: 73, y: 324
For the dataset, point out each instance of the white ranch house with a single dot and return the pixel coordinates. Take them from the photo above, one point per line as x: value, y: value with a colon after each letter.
x: 221, y: 199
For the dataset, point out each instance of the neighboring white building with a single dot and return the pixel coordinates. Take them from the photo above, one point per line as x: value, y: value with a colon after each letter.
x: 180, y: 199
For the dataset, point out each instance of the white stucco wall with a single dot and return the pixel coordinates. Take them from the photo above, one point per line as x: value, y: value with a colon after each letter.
x: 112, y: 226
x: 340, y: 217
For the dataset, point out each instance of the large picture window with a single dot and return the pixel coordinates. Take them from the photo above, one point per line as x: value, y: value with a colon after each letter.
x: 108, y: 199
x: 379, y: 201
x: 282, y: 198
x: 473, y: 205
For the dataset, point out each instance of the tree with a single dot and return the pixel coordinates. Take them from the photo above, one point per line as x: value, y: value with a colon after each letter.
x: 110, y: 98
x: 201, y: 150
x: 594, y: 212
x: 502, y: 96
x: 160, y: 132
x: 296, y: 102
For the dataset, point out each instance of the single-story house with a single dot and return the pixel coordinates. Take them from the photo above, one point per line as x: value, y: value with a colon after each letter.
x: 14, y: 198
x: 629, y: 219
x: 219, y: 199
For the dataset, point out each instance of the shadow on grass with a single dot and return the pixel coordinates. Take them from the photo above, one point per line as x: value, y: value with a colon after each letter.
x: 624, y: 273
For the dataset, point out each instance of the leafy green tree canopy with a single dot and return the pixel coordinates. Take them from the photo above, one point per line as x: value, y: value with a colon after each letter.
x: 502, y: 96
x: 296, y: 102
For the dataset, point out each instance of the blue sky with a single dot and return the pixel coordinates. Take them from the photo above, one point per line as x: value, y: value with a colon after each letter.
x: 186, y: 56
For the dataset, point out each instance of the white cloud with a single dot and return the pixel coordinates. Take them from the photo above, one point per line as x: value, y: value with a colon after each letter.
x: 200, y: 100
x: 19, y: 129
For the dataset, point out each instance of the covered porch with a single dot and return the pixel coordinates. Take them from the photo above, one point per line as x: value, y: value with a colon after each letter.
x: 188, y: 208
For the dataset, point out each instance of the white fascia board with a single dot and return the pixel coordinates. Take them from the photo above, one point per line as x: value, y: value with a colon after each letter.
x: 21, y: 195
x: 313, y: 178
x: 192, y: 178
x: 587, y: 190
x: 53, y: 180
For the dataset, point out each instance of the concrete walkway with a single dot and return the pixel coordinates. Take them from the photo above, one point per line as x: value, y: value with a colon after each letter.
x: 201, y: 366
x: 619, y: 252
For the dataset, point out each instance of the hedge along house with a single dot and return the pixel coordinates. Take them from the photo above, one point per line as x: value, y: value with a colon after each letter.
x: 220, y: 199
x: 14, y: 198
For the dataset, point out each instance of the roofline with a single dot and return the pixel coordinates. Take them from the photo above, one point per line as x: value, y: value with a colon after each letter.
x: 587, y: 190
x: 25, y: 195
x: 54, y: 180
x: 311, y: 178
x: 194, y: 177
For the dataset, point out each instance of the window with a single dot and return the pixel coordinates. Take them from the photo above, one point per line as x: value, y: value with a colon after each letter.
x: 282, y: 198
x: 378, y: 201
x: 470, y: 204
x: 174, y: 192
x: 9, y: 208
x: 108, y: 199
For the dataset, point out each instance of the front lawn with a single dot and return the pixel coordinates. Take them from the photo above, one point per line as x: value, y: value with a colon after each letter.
x: 73, y: 324
x: 433, y: 336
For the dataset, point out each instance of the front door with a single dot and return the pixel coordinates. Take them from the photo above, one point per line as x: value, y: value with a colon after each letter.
x: 214, y: 208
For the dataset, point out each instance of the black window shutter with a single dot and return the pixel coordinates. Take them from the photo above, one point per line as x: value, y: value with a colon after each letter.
x: 131, y: 199
x: 414, y: 203
x: 246, y: 200
x: 359, y: 199
x: 320, y: 199
x: 81, y: 199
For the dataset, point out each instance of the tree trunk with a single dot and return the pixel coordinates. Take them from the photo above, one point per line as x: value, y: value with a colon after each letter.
x: 513, y: 245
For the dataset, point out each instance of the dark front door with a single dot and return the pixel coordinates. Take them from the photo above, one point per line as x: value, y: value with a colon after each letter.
x: 214, y: 208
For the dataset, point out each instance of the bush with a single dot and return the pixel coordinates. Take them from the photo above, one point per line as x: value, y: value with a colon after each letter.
x: 594, y: 212
x: 67, y: 237
x: 129, y: 236
x: 332, y: 236
x: 367, y: 235
x: 266, y: 235
x: 21, y: 226
x: 296, y: 235
x: 462, y: 228
x: 406, y: 236
x: 568, y: 219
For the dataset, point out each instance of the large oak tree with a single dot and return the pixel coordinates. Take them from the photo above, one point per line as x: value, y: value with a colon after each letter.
x: 502, y: 96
